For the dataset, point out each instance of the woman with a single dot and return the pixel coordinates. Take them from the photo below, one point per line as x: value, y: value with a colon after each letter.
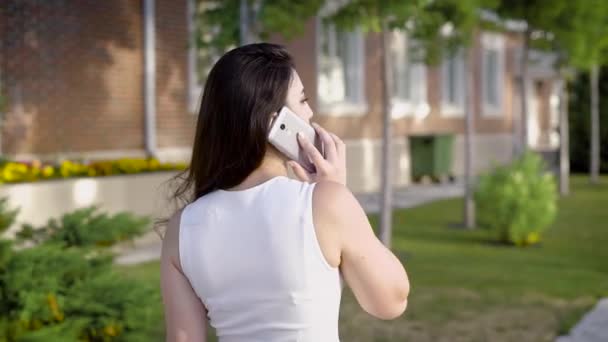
x: 258, y: 254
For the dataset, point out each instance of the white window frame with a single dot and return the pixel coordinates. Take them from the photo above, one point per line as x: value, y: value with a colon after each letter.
x: 495, y: 42
x: 416, y: 104
x: 449, y: 108
x: 348, y: 107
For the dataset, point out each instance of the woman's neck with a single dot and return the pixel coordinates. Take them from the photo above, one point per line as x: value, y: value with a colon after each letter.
x: 272, y: 166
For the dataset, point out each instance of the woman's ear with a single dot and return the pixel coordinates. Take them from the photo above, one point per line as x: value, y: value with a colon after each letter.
x: 273, y: 116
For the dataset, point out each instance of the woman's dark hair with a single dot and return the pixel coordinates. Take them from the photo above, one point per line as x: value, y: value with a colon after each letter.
x: 244, y: 88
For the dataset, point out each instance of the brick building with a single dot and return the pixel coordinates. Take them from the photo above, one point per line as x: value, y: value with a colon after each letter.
x: 116, y: 78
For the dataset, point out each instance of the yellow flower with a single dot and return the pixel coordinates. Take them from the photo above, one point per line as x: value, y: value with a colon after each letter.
x: 14, y: 172
x: 65, y: 168
x: 111, y: 330
x: 52, y: 301
x: 48, y: 171
x: 532, y: 238
x: 153, y: 164
x: 35, y: 172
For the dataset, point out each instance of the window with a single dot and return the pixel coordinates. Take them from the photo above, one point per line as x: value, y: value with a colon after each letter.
x: 492, y: 73
x: 200, y: 61
x: 409, y: 81
x: 340, y: 61
x: 453, y: 85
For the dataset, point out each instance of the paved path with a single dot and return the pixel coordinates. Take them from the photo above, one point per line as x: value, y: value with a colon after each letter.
x: 592, y: 328
x: 412, y: 196
x: 147, y: 247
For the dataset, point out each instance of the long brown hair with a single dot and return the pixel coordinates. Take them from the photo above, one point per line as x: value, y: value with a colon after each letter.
x: 244, y: 88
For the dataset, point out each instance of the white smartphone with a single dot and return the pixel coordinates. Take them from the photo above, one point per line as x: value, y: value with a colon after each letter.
x: 283, y: 136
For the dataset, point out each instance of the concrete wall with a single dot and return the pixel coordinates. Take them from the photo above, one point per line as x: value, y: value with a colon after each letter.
x: 142, y: 194
x: 364, y: 162
x: 364, y: 159
x: 488, y: 149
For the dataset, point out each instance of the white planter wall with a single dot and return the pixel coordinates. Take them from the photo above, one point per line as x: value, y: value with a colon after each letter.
x: 142, y: 194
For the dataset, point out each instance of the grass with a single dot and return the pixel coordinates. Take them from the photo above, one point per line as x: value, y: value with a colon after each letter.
x: 466, y: 288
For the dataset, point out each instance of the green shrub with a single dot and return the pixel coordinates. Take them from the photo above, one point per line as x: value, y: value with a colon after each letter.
x: 65, y: 288
x: 7, y: 216
x: 518, y: 202
x: 85, y: 228
x: 50, y: 293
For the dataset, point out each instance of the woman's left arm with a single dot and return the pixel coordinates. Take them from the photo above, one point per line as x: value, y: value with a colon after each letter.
x: 185, y: 314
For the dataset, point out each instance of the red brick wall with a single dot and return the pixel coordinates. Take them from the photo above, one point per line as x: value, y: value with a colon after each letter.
x: 435, y: 122
x: 73, y: 76
x: 370, y: 125
x: 175, y: 124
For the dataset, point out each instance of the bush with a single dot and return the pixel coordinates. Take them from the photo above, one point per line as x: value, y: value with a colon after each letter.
x: 65, y: 288
x: 518, y: 202
x: 17, y: 172
x: 7, y: 216
x: 50, y: 293
x: 86, y: 228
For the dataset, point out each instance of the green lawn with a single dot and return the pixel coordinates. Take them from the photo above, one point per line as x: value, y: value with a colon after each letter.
x: 466, y: 288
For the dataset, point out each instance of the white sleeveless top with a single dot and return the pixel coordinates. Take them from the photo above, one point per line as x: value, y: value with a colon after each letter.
x: 253, y: 259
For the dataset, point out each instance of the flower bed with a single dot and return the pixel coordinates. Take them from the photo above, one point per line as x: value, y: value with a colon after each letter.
x: 18, y: 172
x: 137, y: 185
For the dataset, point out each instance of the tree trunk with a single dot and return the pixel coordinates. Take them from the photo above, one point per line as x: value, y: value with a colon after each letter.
x: 386, y: 207
x: 594, y: 167
x: 249, y: 21
x: 469, y: 106
x: 523, y: 87
x: 564, y: 141
x: 244, y: 23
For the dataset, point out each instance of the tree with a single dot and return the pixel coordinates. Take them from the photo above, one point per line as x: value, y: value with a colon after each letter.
x: 383, y: 18
x: 586, y: 40
x: 580, y: 125
x: 426, y: 23
x: 539, y: 16
x: 449, y: 26
x: 223, y: 20
x: 577, y: 31
x: 579, y: 35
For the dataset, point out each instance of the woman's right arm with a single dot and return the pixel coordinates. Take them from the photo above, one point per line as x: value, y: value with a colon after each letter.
x: 374, y: 274
x: 371, y: 270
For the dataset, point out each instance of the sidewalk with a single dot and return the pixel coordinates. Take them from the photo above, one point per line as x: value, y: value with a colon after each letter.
x: 147, y: 247
x: 593, y: 327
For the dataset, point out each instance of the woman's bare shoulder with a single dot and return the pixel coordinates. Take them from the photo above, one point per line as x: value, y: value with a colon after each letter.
x: 334, y: 199
x: 170, y: 245
x: 333, y: 203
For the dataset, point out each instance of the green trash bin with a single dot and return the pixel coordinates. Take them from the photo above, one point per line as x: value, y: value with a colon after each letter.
x: 431, y: 155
